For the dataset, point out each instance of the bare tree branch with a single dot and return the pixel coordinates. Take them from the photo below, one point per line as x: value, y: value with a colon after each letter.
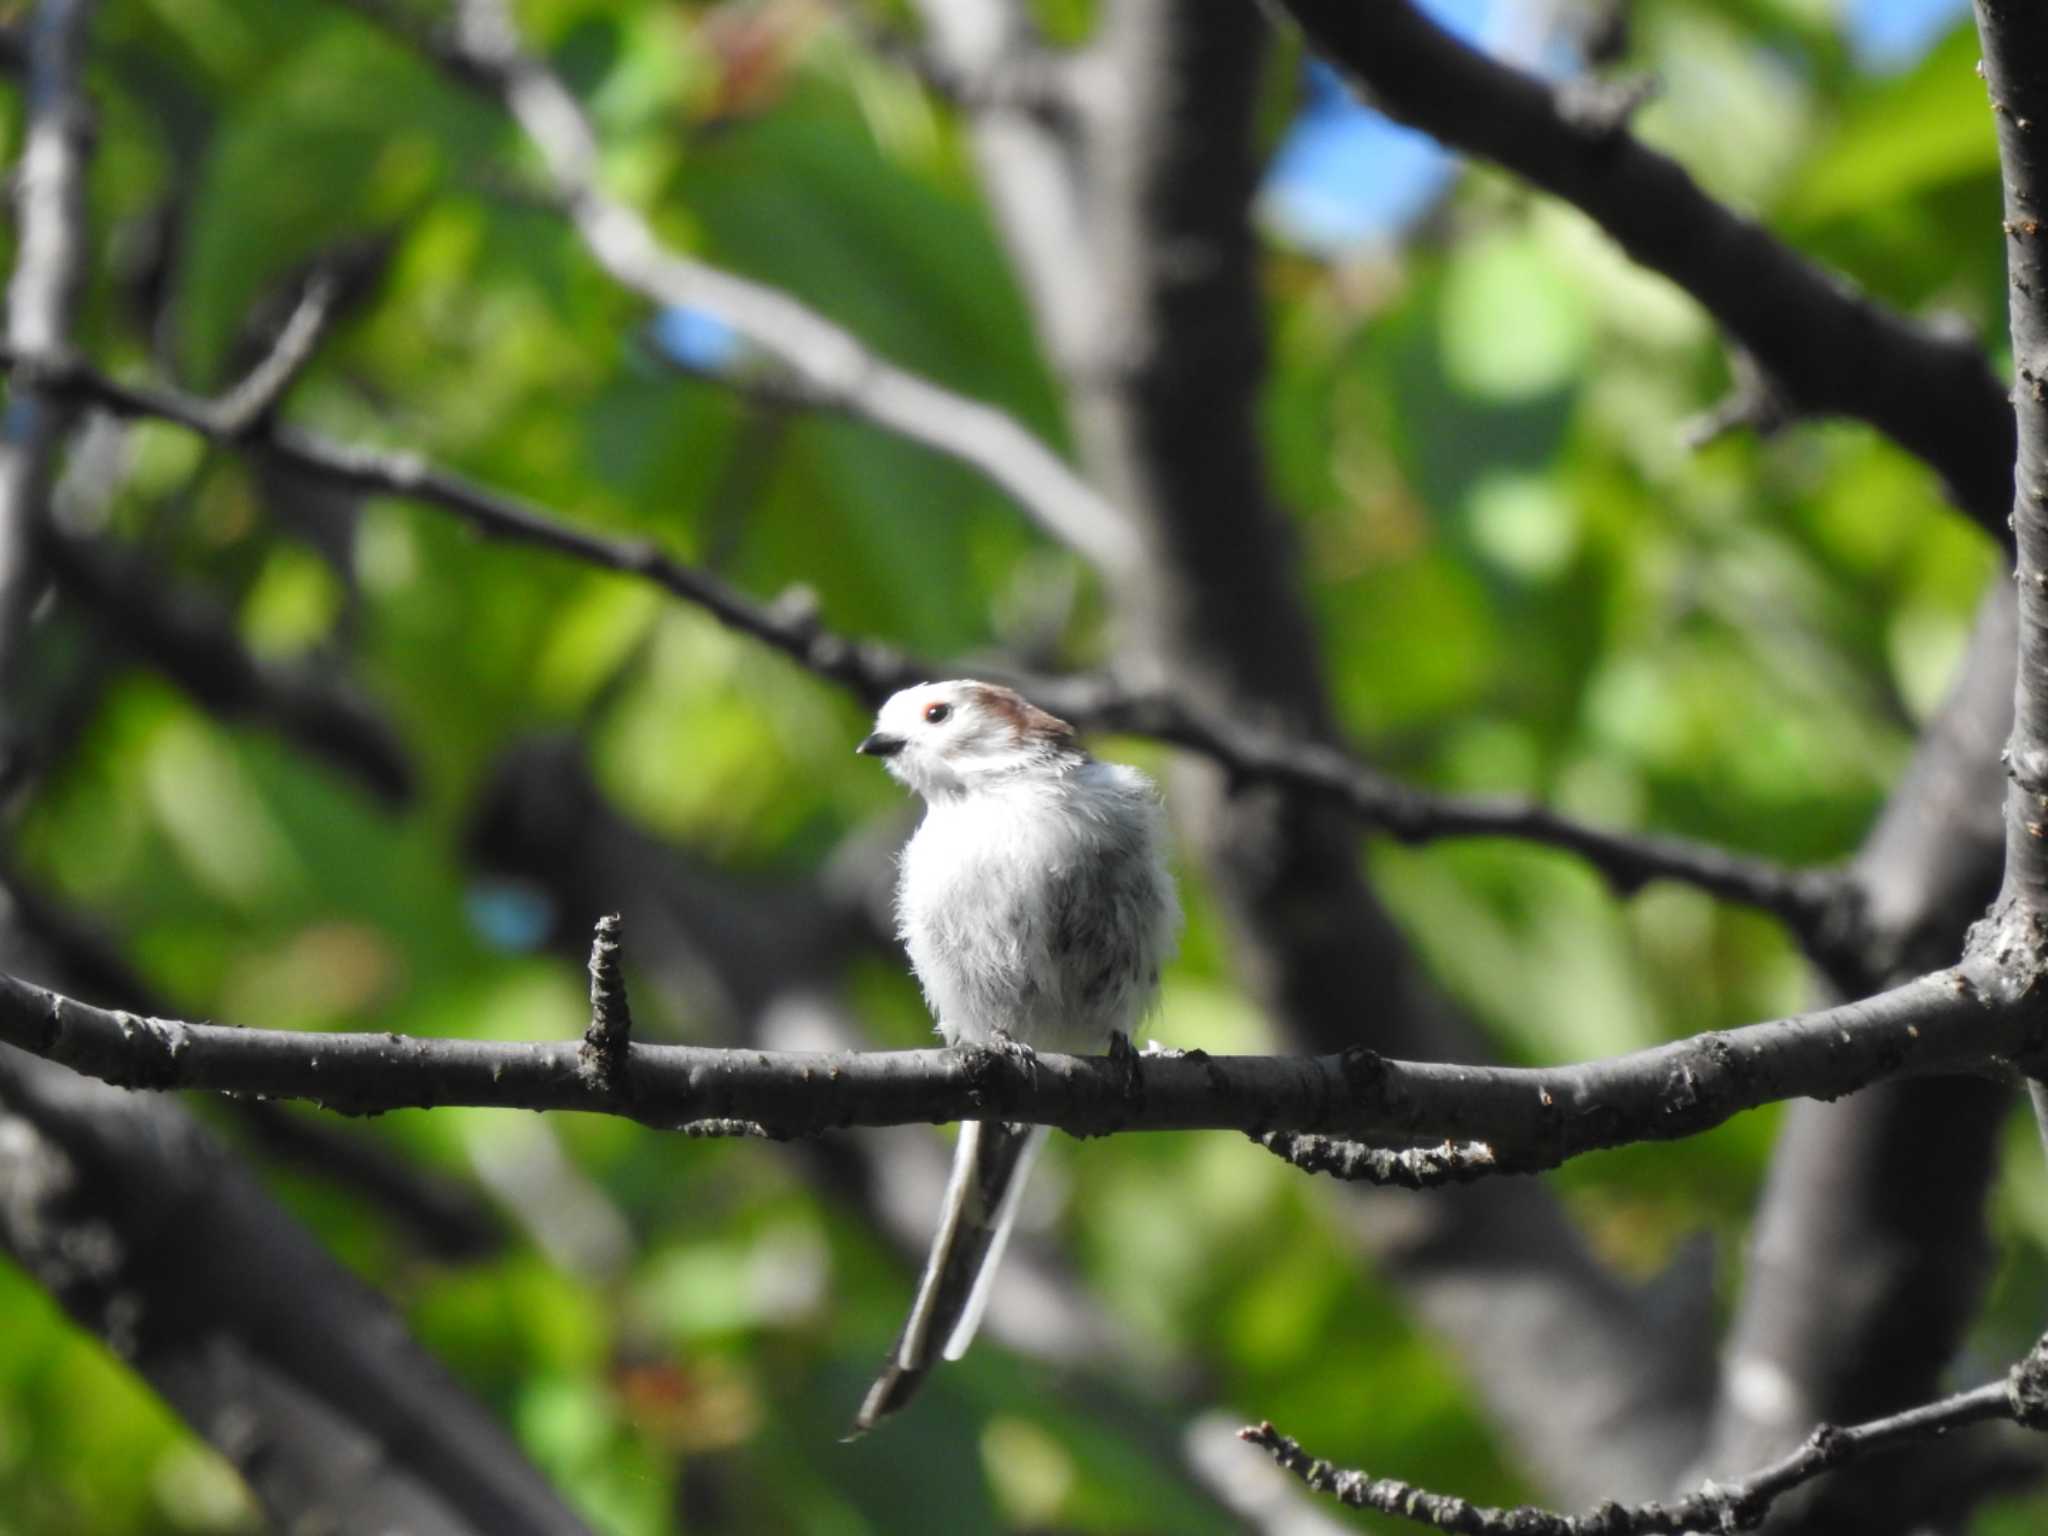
x: 827, y: 366
x: 1265, y: 1498
x: 51, y: 262
x: 1809, y: 902
x: 2015, y: 41
x: 1532, y: 1117
x: 1829, y: 348
x: 1736, y: 1506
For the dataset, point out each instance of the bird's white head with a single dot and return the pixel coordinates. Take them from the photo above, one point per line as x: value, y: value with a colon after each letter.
x: 946, y: 739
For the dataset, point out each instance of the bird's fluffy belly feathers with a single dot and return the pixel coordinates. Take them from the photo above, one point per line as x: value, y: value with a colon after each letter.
x: 1040, y: 910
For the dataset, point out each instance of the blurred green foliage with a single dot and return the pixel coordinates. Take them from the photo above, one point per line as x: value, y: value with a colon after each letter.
x: 1524, y: 582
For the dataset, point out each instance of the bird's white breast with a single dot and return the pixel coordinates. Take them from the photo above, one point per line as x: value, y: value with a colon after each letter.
x: 1040, y: 908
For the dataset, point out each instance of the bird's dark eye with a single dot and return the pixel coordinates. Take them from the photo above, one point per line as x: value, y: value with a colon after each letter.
x: 935, y: 714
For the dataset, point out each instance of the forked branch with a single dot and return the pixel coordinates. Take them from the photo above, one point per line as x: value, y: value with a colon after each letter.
x: 1740, y: 1505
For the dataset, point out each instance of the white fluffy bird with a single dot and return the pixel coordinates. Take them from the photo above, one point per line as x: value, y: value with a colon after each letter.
x: 1036, y: 905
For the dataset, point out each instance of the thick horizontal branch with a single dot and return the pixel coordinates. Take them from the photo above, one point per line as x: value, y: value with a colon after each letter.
x: 827, y: 366
x: 1733, y: 1506
x: 1531, y: 1117
x: 1828, y: 347
x: 1810, y: 902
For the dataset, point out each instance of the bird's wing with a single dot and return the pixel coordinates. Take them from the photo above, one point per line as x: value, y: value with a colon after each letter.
x: 989, y: 1169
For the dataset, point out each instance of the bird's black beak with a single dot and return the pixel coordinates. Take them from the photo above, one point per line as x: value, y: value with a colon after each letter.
x: 878, y: 745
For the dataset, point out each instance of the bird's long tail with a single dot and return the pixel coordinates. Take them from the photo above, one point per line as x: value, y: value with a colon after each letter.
x: 989, y: 1168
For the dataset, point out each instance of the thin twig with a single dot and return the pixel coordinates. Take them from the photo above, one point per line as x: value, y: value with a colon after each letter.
x: 1533, y: 1117
x: 2021, y: 1397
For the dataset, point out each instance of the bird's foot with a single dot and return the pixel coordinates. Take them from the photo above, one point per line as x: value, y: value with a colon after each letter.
x: 1003, y: 1044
